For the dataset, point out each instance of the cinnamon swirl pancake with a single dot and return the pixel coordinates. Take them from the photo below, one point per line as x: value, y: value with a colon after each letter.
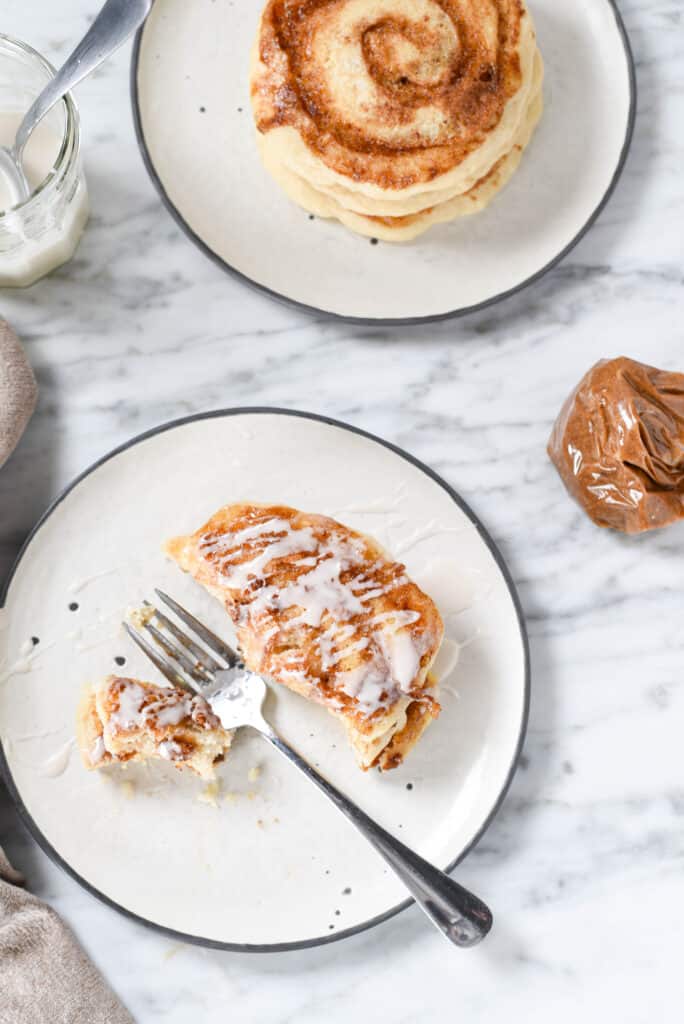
x: 123, y: 720
x: 322, y: 610
x: 392, y: 115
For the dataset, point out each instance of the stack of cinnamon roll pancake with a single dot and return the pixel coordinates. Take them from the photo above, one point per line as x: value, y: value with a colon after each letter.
x: 393, y: 115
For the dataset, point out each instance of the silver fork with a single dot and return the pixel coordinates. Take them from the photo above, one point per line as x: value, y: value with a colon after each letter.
x: 236, y: 696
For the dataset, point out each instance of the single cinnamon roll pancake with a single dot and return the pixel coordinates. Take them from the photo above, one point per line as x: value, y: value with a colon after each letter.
x: 122, y: 720
x: 324, y: 611
x: 394, y: 108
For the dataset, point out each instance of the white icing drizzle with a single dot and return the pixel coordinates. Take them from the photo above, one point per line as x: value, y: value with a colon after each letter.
x: 170, y: 750
x: 129, y: 714
x: 24, y: 663
x: 401, y: 653
x: 173, y: 714
x: 97, y: 751
x: 365, y: 684
x: 292, y: 543
x: 167, y: 709
x: 447, y: 660
x: 57, y: 763
x: 246, y: 562
x: 42, y: 735
x: 78, y: 585
x: 427, y: 532
x: 318, y: 591
x: 337, y: 642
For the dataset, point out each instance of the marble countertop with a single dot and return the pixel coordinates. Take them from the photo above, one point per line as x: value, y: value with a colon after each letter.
x: 584, y: 863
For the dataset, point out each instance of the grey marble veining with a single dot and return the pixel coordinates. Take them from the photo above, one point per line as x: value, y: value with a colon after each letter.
x: 584, y: 864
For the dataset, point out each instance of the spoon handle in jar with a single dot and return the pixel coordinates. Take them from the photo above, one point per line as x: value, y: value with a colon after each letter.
x: 117, y: 20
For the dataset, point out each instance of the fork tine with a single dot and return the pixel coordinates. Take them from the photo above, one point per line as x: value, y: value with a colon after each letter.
x: 214, y: 643
x: 197, y: 672
x: 167, y: 668
x: 201, y: 656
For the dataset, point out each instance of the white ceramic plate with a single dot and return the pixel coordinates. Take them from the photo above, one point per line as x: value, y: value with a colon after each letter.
x: 193, y: 120
x: 273, y: 866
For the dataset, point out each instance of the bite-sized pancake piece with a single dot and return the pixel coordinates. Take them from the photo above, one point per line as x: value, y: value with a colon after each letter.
x: 323, y: 610
x: 122, y: 720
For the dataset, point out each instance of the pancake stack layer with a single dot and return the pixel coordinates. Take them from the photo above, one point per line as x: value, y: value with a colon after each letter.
x: 393, y: 115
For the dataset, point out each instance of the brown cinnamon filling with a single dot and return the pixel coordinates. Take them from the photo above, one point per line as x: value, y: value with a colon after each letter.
x: 444, y: 63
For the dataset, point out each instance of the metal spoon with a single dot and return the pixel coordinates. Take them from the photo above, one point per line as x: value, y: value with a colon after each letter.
x: 117, y: 20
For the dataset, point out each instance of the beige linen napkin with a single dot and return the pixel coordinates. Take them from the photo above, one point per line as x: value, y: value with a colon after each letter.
x: 45, y: 977
x: 18, y: 391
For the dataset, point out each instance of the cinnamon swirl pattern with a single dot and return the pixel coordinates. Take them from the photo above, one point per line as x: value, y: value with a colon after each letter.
x: 393, y: 115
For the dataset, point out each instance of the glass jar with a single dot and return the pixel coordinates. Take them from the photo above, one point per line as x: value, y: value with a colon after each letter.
x: 42, y: 232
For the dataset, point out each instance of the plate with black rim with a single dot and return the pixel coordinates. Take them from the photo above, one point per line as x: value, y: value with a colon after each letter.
x: 193, y: 121
x: 259, y: 861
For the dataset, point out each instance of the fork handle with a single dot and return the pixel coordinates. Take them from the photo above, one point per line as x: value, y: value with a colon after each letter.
x: 460, y: 916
